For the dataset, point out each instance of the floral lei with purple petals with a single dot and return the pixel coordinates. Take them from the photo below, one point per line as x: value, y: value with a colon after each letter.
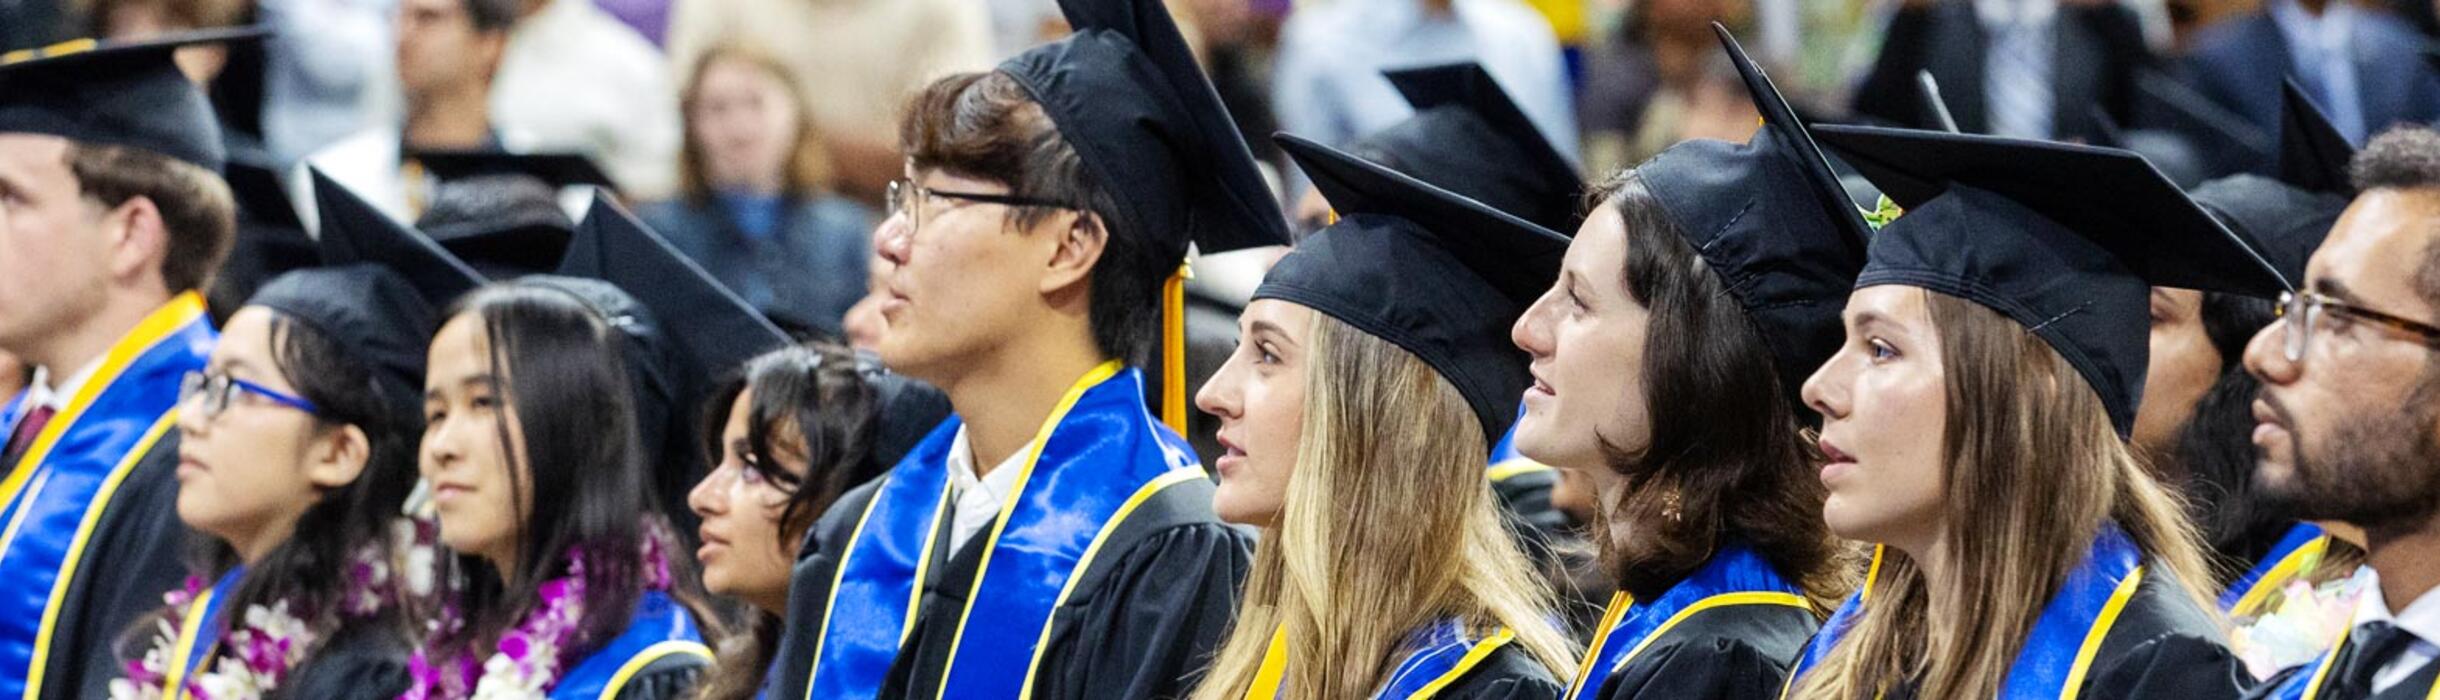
x: 528, y: 659
x: 256, y: 655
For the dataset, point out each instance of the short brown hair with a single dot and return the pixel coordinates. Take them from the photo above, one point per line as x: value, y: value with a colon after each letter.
x: 985, y: 125
x: 808, y: 168
x: 197, y: 211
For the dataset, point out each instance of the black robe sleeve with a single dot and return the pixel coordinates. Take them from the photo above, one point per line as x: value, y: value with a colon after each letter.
x: 1699, y: 669
x: 2165, y: 645
x: 1508, y: 674
x: 135, y: 555
x: 2180, y: 666
x: 671, y: 677
x: 1151, y: 625
x: 359, y: 663
x: 1736, y: 651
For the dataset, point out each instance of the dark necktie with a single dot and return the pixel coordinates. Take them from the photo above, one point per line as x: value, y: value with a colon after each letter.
x: 2376, y: 644
x: 23, y: 437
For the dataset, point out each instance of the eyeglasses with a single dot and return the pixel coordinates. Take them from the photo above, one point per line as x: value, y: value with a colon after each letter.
x: 907, y: 198
x: 2300, y: 314
x: 209, y: 394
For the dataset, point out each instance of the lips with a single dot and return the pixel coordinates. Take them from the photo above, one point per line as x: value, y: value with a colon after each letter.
x: 445, y: 492
x: 713, y: 543
x: 1230, y: 456
x: 1540, y: 386
x: 1837, y: 462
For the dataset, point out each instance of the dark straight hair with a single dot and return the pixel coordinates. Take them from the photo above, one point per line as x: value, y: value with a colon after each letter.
x: 311, y: 569
x: 566, y: 383
x: 2212, y: 462
x: 1728, y: 459
x: 811, y: 403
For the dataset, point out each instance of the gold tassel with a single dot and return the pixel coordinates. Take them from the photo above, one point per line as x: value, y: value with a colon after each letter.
x: 1173, y: 348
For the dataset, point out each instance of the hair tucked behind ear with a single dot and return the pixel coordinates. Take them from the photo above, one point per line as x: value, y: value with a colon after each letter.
x: 2033, y: 471
x: 1389, y: 525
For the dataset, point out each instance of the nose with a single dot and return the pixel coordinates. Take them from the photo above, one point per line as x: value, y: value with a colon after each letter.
x: 705, y: 498
x: 895, y: 239
x: 2266, y: 356
x: 439, y: 450
x: 1529, y: 333
x: 1824, y: 392
x: 1218, y: 396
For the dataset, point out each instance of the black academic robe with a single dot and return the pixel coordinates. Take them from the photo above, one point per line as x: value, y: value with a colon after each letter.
x: 2297, y: 681
x: 1507, y: 674
x: 1735, y: 651
x: 359, y: 663
x: 135, y: 556
x: 2163, y: 646
x: 670, y: 677
x: 1143, y: 621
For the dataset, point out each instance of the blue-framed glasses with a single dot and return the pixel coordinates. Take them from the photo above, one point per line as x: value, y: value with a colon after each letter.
x: 209, y: 394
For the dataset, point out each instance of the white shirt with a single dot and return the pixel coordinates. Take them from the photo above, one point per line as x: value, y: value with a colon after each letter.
x: 2421, y: 618
x: 978, y: 499
x: 575, y: 79
x: 2321, y: 46
x: 1328, y: 82
x: 40, y: 391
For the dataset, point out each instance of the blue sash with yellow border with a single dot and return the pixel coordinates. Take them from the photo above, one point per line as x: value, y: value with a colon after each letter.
x: 2278, y: 566
x: 660, y: 629
x: 1436, y: 658
x: 199, y: 633
x: 1097, y: 456
x: 1736, y: 575
x: 2060, y: 650
x: 57, y: 492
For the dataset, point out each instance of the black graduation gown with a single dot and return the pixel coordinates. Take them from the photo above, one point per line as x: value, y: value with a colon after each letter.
x: 2163, y: 646
x: 1142, y: 621
x: 1507, y: 674
x: 671, y: 677
x: 135, y: 555
x: 359, y: 663
x: 1737, y: 651
x: 2417, y: 686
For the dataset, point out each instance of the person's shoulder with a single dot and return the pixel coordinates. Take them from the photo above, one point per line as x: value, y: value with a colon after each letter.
x: 2232, y: 38
x: 2388, y: 33
x: 1508, y: 672
x: 1511, y: 16
x: 830, y: 211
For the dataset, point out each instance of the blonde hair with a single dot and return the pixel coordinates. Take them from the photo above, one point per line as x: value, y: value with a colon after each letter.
x: 1388, y: 526
x: 808, y: 169
x: 2014, y: 406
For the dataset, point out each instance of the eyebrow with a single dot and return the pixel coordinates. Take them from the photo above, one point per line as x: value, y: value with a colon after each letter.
x: 1267, y: 327
x: 470, y: 382
x: 2335, y: 290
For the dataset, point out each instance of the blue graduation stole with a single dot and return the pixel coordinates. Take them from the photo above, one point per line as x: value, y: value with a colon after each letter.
x: 2286, y: 559
x: 1736, y: 575
x: 199, y: 635
x: 1505, y: 462
x: 55, y: 495
x: 1436, y: 657
x: 1096, y: 458
x: 660, y: 629
x: 2060, y: 649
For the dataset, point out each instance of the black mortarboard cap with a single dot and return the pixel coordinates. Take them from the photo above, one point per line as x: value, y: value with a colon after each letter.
x: 116, y: 93
x: 1771, y: 219
x: 505, y: 226
x: 2224, y: 138
x: 2313, y: 155
x: 715, y: 328
x: 353, y: 231
x: 2285, y: 223
x: 1468, y: 137
x: 1424, y: 268
x: 2066, y: 240
x: 1125, y: 92
x: 270, y: 239
x: 369, y: 310
x: 557, y: 170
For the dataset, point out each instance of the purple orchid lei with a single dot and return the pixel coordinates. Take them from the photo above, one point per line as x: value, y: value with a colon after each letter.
x: 528, y: 658
x: 268, y: 641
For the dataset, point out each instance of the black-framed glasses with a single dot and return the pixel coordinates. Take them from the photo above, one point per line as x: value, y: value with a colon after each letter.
x: 906, y: 197
x: 2301, y: 314
x: 209, y: 393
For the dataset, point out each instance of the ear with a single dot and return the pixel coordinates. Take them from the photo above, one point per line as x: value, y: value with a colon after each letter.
x: 138, y: 239
x: 1081, y: 240
x: 338, y: 458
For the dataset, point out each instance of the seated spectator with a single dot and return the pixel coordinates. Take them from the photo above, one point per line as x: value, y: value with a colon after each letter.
x: 576, y: 79
x: 2363, y: 67
x: 755, y: 209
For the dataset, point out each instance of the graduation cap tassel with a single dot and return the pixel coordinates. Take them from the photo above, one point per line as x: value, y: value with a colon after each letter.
x: 1173, y: 348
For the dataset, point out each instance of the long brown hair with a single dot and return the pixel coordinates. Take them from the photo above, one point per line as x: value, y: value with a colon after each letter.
x: 1728, y: 458
x: 1388, y: 526
x: 2014, y: 406
x: 808, y: 171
